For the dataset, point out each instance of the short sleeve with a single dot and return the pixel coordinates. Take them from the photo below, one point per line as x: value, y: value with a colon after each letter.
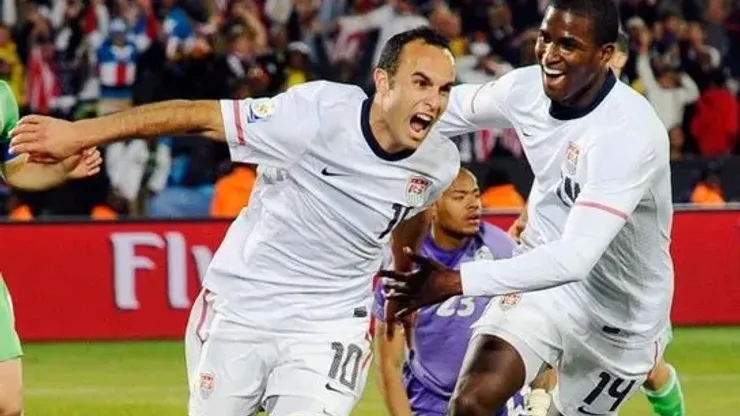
x: 498, y: 241
x: 619, y: 173
x: 475, y: 107
x: 272, y: 131
x: 9, y: 113
x: 451, y: 157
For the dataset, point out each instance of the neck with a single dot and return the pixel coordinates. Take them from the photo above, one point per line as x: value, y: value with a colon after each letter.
x: 585, y: 101
x: 588, y: 95
x: 448, y: 240
x: 381, y: 130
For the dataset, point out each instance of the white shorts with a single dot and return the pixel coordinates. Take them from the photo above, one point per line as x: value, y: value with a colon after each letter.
x: 233, y: 369
x: 596, y: 375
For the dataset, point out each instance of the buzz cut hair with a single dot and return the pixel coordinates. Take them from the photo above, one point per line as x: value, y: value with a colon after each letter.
x: 604, y: 16
x: 390, y: 56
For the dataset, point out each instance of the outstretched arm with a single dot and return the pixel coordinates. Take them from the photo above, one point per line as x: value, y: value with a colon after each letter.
x: 272, y: 131
x: 156, y: 120
x: 60, y: 139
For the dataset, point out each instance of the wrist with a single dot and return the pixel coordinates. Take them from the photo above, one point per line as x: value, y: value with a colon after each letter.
x: 87, y: 135
x: 452, y: 283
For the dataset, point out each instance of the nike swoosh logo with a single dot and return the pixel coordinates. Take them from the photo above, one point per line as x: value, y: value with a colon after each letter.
x: 586, y: 412
x: 526, y: 134
x: 332, y: 388
x: 326, y: 172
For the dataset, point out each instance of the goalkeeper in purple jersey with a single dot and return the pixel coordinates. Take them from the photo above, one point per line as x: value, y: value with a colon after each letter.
x: 418, y: 376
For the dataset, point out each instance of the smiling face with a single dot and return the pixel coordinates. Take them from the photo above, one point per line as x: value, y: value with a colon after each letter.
x: 572, y: 61
x: 415, y: 95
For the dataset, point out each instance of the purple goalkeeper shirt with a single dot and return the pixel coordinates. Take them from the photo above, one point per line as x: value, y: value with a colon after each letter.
x: 440, y: 335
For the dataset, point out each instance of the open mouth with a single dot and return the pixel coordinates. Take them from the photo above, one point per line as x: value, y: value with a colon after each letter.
x: 552, y: 76
x: 420, y: 122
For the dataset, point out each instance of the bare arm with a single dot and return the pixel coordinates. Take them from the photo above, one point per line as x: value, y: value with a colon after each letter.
x: 56, y: 139
x: 409, y: 233
x: 689, y: 89
x: 645, y: 74
x: 390, y: 351
x: 153, y: 121
x: 20, y: 173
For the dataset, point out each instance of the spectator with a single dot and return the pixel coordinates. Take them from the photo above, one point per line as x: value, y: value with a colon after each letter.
x: 77, y: 64
x: 709, y: 189
x: 500, y: 192
x: 232, y: 191
x: 717, y: 12
x: 11, y: 66
x: 390, y: 19
x: 677, y: 141
x: 480, y: 64
x: 42, y: 84
x: 116, y: 59
x: 716, y: 122
x: 667, y: 90
x: 297, y: 69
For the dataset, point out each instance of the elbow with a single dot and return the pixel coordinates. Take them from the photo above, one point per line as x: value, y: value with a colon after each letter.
x: 579, y: 273
x: 578, y: 265
x: 206, y: 115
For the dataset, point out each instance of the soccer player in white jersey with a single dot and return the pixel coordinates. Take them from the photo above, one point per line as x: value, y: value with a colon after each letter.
x: 590, y: 291
x: 662, y: 386
x: 283, y: 321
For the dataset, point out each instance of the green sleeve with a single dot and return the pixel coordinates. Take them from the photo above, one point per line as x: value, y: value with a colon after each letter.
x: 9, y: 118
x: 8, y: 111
x: 10, y: 346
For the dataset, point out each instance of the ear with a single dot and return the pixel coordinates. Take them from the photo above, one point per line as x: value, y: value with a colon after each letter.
x: 382, y: 81
x: 432, y: 211
x: 606, y: 53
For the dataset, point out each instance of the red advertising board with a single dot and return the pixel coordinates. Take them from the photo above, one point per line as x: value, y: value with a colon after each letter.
x: 136, y: 280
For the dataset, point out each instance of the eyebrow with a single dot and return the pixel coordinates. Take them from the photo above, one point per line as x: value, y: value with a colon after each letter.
x: 567, y: 39
x: 423, y: 75
x: 445, y: 87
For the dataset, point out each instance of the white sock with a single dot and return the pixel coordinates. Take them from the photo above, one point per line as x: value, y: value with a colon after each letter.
x: 538, y: 402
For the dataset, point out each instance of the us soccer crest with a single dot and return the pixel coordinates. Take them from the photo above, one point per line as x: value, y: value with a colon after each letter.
x: 206, y: 384
x: 484, y: 253
x: 417, y: 191
x: 571, y: 158
x: 260, y: 109
x: 510, y: 300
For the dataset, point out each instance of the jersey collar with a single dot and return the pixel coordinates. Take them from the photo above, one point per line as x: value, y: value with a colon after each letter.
x: 565, y: 113
x: 372, y: 141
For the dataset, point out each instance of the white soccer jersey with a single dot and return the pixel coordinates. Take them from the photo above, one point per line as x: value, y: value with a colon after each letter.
x: 600, y: 211
x: 302, y: 256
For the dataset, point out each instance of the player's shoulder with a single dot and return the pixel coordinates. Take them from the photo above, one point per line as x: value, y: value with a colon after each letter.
x: 632, y: 120
x: 496, y: 241
x: 522, y: 79
x: 491, y: 234
x: 326, y: 93
x: 441, y: 154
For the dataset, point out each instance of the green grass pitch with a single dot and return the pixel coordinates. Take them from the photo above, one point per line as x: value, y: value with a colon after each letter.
x: 148, y: 378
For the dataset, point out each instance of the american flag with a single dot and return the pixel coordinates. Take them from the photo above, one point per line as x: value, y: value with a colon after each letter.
x: 42, y: 83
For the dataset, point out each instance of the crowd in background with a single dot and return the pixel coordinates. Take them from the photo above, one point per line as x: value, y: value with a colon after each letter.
x: 79, y: 58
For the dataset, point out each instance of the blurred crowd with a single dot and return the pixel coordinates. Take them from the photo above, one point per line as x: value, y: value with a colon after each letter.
x: 79, y: 58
